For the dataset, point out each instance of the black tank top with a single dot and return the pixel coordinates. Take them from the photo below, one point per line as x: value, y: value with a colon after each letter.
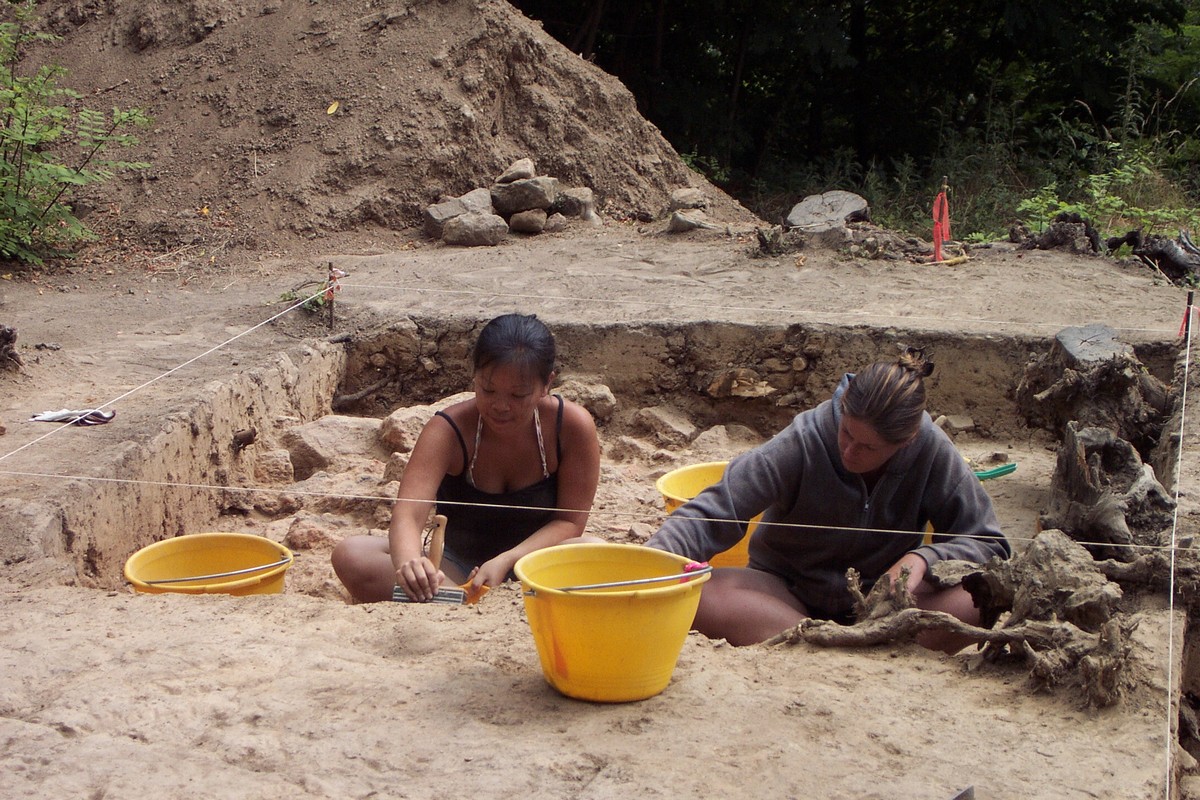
x: 476, y: 533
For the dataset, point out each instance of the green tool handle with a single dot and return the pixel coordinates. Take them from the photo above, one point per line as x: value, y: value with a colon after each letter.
x: 1003, y: 469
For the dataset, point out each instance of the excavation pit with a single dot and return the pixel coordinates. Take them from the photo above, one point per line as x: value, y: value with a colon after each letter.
x: 682, y: 392
x: 293, y: 450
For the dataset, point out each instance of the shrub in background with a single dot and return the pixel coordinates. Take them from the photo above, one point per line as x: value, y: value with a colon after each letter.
x: 50, y: 146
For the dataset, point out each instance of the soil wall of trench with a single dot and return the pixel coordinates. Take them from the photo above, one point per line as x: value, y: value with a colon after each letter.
x: 82, y: 531
x: 187, y: 475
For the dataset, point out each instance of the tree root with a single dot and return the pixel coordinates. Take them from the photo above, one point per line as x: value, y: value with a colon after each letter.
x: 1154, y: 571
x: 8, y: 348
x: 1076, y: 638
x: 1056, y: 652
x: 344, y: 401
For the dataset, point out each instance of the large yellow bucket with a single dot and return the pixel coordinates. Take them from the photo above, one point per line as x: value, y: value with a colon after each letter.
x: 210, y: 563
x: 608, y: 644
x: 680, y: 485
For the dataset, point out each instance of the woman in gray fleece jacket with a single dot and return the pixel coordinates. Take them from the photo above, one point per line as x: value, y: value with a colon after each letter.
x: 850, y: 483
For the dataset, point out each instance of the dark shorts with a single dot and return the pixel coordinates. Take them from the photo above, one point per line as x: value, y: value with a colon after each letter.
x: 464, y: 567
x: 815, y: 611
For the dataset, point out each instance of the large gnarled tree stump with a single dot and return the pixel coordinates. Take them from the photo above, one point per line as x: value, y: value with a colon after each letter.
x: 1052, y: 607
x: 1090, y: 378
x: 1103, y: 496
x: 1173, y: 258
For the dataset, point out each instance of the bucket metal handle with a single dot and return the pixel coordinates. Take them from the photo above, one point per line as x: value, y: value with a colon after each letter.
x: 279, y: 563
x: 681, y: 577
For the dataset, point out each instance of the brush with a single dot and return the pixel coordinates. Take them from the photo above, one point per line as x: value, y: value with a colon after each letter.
x: 449, y: 595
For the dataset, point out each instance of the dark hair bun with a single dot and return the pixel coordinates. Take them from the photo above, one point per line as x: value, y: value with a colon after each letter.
x: 915, y: 360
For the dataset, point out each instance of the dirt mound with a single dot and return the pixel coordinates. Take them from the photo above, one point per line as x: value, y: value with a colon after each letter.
x: 248, y: 149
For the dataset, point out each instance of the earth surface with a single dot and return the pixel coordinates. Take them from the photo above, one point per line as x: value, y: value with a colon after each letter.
x: 257, y: 184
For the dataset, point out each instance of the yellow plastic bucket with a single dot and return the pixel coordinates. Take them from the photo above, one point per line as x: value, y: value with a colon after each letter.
x: 609, y: 645
x: 210, y: 563
x: 680, y: 485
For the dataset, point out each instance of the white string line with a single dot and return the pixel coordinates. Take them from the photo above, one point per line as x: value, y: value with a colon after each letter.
x: 1187, y: 352
x: 169, y: 372
x: 592, y: 512
x: 891, y: 317
x: 325, y: 287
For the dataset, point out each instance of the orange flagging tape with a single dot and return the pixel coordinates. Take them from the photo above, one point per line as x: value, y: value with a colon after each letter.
x: 941, y: 224
x: 334, y: 283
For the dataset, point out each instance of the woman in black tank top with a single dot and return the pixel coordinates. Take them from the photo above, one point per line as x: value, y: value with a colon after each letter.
x: 513, y: 469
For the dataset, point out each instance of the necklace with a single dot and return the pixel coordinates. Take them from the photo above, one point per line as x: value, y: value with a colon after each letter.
x: 537, y: 429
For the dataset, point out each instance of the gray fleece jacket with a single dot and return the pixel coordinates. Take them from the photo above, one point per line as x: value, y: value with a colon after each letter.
x: 798, y: 478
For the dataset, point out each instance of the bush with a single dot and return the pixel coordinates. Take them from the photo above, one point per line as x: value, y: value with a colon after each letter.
x: 50, y: 146
x: 1131, y: 193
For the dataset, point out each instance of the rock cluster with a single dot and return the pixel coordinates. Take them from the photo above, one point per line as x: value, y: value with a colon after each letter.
x: 519, y: 201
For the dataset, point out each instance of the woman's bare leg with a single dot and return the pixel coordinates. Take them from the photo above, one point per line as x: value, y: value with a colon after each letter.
x: 955, y: 601
x: 364, y: 567
x: 746, y: 606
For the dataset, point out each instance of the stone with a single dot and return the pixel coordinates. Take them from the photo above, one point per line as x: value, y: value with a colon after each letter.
x: 399, y: 430
x: 824, y: 212
x: 328, y: 441
x: 522, y: 195
x: 274, y: 468
x: 738, y: 382
x: 640, y: 532
x: 532, y: 221
x: 597, y: 398
x: 478, y: 200
x: 577, y: 202
x: 308, y: 533
x: 395, y: 467
x: 474, y: 229
x: 668, y: 425
x: 688, y: 198
x: 959, y: 423
x: 276, y: 504
x: 723, y: 437
x: 435, y: 217
x: 690, y: 220
x: 520, y: 169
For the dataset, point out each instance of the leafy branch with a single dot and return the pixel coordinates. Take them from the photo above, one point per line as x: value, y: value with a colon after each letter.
x: 50, y: 147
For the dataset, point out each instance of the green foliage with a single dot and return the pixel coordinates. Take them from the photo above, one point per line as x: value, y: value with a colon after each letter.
x: 312, y: 305
x: 786, y: 99
x: 707, y: 166
x: 50, y: 146
x: 1130, y: 194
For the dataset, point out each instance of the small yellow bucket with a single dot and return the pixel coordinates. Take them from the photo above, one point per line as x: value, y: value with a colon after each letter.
x: 606, y: 643
x: 680, y: 485
x: 210, y: 563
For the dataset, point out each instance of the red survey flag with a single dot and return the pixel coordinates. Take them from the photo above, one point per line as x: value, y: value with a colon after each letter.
x: 941, y: 223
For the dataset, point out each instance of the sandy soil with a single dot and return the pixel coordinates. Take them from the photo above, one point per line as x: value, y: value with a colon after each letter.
x: 108, y: 693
